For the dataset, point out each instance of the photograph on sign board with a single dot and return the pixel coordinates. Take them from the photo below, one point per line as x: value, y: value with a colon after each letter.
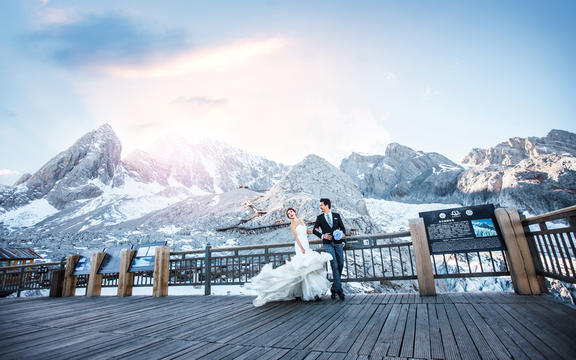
x: 484, y: 227
x: 144, y: 261
x: 83, y: 265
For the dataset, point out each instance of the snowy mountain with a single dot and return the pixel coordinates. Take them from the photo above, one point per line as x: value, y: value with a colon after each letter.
x: 303, y: 186
x: 207, y: 166
x: 535, y: 175
x: 88, y: 193
x: 404, y: 174
x: 72, y: 175
x: 194, y: 193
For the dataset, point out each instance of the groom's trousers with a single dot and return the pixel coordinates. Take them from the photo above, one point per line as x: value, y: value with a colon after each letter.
x: 337, y: 263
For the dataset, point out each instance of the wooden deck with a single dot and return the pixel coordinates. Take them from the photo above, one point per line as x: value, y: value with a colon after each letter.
x: 454, y: 326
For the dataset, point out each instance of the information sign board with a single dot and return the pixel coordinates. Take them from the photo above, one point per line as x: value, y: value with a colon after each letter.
x: 144, y: 257
x: 466, y: 229
x: 83, y: 264
x: 111, y: 262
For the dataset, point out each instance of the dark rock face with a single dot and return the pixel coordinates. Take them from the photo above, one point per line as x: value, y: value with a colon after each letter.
x: 404, y: 174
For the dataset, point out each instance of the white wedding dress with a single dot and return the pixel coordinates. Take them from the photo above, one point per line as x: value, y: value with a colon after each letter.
x: 303, y: 276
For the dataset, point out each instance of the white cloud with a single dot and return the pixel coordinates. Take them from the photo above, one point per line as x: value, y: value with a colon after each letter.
x: 4, y: 172
x: 56, y: 16
x: 221, y: 58
x: 283, y: 104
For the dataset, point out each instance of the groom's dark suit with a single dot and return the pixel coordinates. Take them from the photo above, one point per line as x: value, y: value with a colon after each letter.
x: 322, y: 223
x: 333, y: 247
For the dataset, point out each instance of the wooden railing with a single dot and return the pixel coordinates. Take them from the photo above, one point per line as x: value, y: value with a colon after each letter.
x: 15, y: 279
x: 552, y: 241
x: 378, y: 257
x: 541, y: 246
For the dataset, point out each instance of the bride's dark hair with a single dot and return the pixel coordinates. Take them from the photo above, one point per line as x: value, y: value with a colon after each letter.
x: 289, y: 210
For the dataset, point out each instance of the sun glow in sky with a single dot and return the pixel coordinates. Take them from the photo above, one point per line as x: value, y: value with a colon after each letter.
x: 283, y: 79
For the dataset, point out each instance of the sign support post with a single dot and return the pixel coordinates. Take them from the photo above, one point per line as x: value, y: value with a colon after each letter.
x: 522, y: 269
x: 161, y: 271
x: 426, y: 285
x: 125, y: 278
x: 95, y: 279
x: 70, y: 279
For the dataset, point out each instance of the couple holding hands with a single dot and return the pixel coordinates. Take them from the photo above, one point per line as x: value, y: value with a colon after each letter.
x: 304, y: 275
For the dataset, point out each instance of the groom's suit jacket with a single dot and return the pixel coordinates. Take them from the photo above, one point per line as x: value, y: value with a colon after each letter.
x: 325, y: 227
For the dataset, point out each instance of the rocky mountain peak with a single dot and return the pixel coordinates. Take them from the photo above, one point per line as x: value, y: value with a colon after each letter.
x: 403, y: 173
x: 511, y: 152
x: 317, y: 178
x: 207, y: 166
x: 560, y: 142
x: 75, y: 173
x: 395, y: 151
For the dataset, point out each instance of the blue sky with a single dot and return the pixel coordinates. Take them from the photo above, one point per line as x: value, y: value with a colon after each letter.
x: 283, y: 79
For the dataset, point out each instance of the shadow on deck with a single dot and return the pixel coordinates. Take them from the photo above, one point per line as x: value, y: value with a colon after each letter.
x: 448, y: 326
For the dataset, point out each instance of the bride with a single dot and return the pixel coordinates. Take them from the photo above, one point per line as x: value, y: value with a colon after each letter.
x: 302, y: 277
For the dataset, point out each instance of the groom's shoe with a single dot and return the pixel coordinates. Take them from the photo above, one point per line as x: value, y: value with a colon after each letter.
x: 332, y: 294
x: 341, y: 295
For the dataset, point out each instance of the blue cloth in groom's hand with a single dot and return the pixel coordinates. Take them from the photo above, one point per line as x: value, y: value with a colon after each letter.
x: 338, y: 234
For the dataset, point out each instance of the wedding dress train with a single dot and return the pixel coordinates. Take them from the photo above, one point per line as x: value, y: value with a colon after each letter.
x: 303, y: 276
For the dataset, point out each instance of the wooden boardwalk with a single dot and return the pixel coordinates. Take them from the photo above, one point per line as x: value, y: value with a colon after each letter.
x: 400, y: 326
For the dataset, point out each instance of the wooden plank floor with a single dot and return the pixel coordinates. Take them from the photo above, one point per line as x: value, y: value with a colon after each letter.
x: 398, y: 326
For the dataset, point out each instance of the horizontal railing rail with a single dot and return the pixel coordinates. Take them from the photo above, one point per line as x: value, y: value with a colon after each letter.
x: 552, y: 241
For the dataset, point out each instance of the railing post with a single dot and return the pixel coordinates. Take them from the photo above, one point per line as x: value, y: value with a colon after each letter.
x: 4, y: 275
x: 69, y: 279
x: 57, y: 281
x: 426, y: 285
x: 161, y: 271
x: 536, y: 258
x: 522, y: 270
x: 207, y: 271
x: 95, y: 279
x: 20, y: 279
x: 125, y: 278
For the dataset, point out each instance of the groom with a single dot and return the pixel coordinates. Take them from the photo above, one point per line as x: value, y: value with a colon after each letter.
x: 328, y: 222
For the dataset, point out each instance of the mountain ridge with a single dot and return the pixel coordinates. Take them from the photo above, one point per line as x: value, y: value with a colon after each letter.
x: 88, y: 194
